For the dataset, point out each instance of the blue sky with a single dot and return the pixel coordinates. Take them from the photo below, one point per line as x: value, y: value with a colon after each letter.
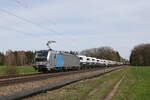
x: 74, y: 24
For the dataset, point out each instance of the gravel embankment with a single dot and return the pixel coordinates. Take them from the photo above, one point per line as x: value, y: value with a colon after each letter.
x: 80, y: 90
x: 30, y: 85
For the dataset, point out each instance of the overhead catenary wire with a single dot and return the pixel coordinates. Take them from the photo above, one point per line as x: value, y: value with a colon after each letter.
x: 38, y: 25
x: 21, y: 4
x: 15, y: 30
x: 29, y: 21
x: 26, y: 20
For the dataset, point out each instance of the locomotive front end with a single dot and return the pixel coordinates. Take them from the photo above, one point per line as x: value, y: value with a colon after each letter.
x: 40, y: 60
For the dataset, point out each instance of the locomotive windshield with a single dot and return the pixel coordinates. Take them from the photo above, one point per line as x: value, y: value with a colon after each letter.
x: 41, y: 55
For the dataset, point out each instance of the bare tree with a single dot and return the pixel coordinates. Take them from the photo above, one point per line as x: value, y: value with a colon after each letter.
x: 102, y: 53
x: 10, y: 58
x: 22, y: 58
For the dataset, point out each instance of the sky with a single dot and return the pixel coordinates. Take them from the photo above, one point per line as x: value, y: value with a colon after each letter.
x: 74, y: 24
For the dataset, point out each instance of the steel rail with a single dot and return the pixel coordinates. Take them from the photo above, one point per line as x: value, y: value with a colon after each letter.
x: 40, y: 76
x: 35, y: 91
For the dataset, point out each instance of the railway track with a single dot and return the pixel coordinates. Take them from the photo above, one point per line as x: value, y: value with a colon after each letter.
x: 35, y: 91
x: 22, y: 78
x: 15, y: 75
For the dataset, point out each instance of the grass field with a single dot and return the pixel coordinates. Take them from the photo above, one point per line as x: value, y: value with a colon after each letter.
x: 135, y: 86
x: 91, y: 89
x: 4, y: 70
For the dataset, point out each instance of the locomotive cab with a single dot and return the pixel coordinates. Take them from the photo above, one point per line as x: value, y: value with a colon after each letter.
x: 40, y: 60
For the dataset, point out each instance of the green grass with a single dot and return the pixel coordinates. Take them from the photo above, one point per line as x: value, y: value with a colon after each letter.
x: 4, y: 70
x: 135, y: 86
x: 91, y: 89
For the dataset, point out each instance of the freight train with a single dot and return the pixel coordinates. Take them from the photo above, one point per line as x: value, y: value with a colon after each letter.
x: 50, y: 60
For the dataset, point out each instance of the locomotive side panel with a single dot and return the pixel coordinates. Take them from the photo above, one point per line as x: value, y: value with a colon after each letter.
x: 70, y: 61
x: 59, y: 60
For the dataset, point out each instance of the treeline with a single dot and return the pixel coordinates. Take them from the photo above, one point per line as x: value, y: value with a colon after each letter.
x: 140, y: 55
x: 103, y: 53
x: 21, y: 58
x: 17, y: 58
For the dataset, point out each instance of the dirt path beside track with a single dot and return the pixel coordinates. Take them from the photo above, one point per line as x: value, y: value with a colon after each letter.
x: 91, y: 89
x: 115, y: 88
